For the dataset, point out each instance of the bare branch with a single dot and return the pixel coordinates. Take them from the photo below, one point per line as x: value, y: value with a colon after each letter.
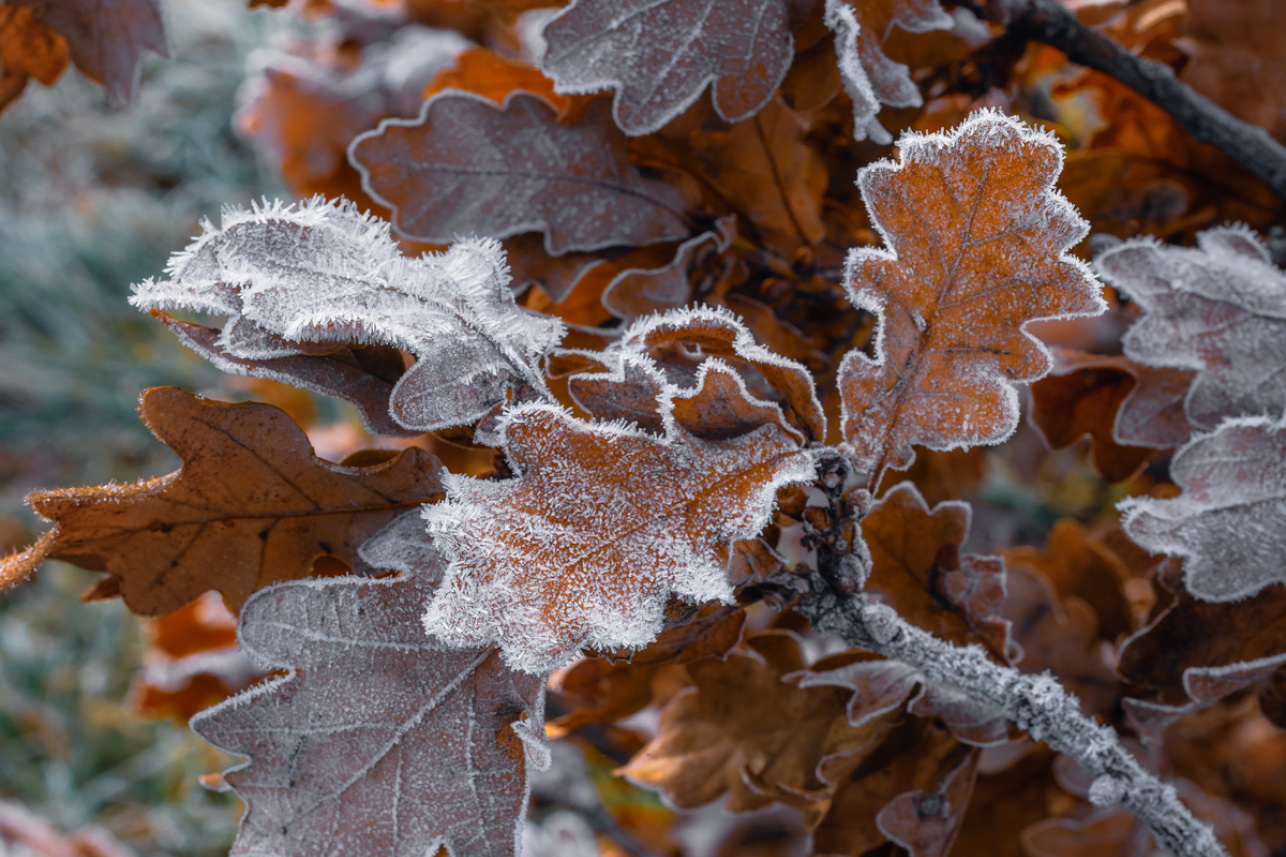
x: 1052, y: 23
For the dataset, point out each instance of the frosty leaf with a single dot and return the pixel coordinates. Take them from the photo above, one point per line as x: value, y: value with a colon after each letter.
x: 107, y: 38
x: 671, y: 338
x: 1229, y: 524
x: 870, y: 78
x: 1194, y: 653
x: 977, y: 242
x: 290, y: 277
x: 28, y: 48
x: 660, y: 55
x: 467, y: 166
x: 637, y: 291
x: 378, y: 741
x: 484, y: 72
x: 250, y: 506
x: 882, y: 686
x: 745, y: 729
x: 600, y: 526
x: 1219, y: 310
x: 918, y: 571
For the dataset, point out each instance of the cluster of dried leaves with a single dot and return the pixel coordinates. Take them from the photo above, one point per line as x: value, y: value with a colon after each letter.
x: 612, y: 493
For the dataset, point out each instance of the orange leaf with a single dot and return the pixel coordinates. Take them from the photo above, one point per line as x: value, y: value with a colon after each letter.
x: 976, y: 247
x: 602, y: 523
x: 484, y: 72
x: 28, y: 48
x: 250, y: 506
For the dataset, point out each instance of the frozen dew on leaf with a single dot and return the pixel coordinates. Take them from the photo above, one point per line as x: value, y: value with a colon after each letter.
x: 976, y: 242
x: 295, y: 280
x: 601, y: 525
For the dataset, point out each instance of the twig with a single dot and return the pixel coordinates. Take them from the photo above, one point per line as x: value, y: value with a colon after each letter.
x: 1052, y: 23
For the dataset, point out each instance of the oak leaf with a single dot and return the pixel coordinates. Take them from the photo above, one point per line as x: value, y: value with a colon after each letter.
x: 917, y: 569
x: 977, y: 242
x: 601, y: 524
x: 378, y: 741
x: 28, y: 48
x: 660, y: 55
x: 250, y: 506
x: 747, y: 728
x: 291, y: 277
x: 1219, y: 309
x: 107, y: 38
x: 1193, y: 653
x: 484, y: 72
x: 466, y: 166
x: 1228, y: 522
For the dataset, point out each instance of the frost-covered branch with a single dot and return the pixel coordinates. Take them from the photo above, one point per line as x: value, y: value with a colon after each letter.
x: 1052, y: 23
x: 1040, y: 705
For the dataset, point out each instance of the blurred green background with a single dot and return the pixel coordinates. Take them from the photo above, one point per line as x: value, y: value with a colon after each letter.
x: 93, y: 199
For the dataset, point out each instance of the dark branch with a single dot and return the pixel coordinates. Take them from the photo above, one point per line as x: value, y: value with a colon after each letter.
x: 1051, y: 23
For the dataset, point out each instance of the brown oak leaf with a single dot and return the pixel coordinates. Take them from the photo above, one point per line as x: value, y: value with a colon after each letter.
x: 107, y: 38
x: 250, y: 506
x: 601, y: 524
x: 660, y: 55
x: 378, y: 741
x: 466, y: 166
x: 917, y: 569
x: 747, y: 729
x: 976, y: 247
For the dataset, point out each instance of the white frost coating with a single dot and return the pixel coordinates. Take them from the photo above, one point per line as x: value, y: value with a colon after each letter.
x: 843, y: 23
x: 601, y: 524
x: 288, y: 277
x: 1219, y: 308
x: 1039, y: 704
x: 1229, y: 524
x: 379, y: 742
x: 976, y: 241
x: 660, y: 55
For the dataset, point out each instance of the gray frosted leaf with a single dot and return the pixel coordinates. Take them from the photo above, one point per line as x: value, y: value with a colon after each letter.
x: 319, y: 296
x: 379, y: 742
x: 1219, y: 309
x: 660, y: 55
x: 1229, y: 524
x: 467, y: 166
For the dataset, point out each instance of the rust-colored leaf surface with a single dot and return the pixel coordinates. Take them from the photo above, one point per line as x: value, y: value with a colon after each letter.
x: 250, y: 506
x: 28, y: 49
x: 107, y: 38
x: 378, y: 742
x: 484, y: 72
x: 600, y: 526
x: 746, y: 728
x: 660, y: 55
x: 976, y: 247
x: 468, y: 167
x: 917, y: 570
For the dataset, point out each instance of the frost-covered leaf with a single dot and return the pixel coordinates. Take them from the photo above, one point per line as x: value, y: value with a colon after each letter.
x: 636, y: 291
x: 1193, y: 653
x: 601, y: 525
x: 747, y: 730
x: 976, y: 248
x: 660, y: 55
x: 466, y: 166
x: 917, y: 570
x: 107, y: 38
x: 28, y: 48
x: 1229, y: 524
x: 870, y: 78
x: 250, y: 506
x: 1219, y: 309
x: 291, y: 278
x: 378, y: 741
